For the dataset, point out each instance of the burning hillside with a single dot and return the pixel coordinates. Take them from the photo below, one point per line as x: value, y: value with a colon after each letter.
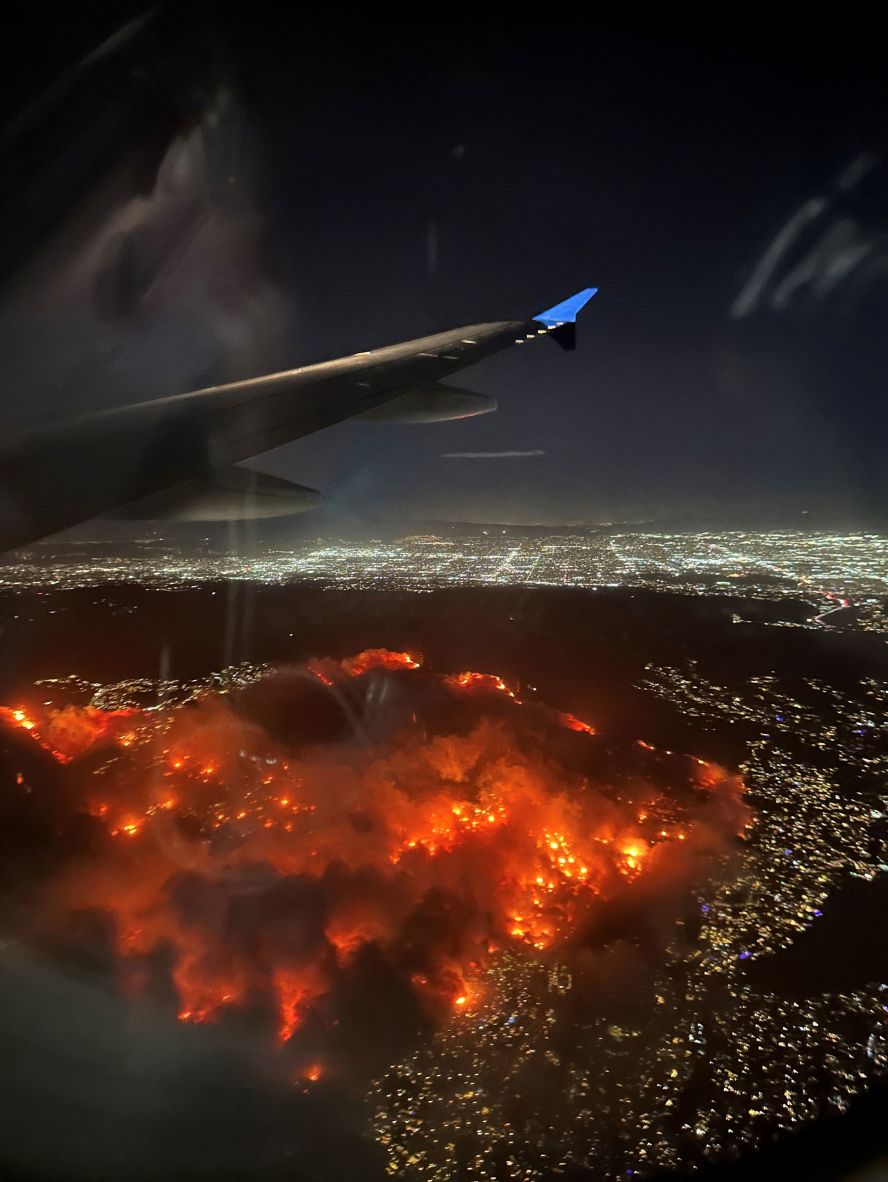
x: 332, y: 854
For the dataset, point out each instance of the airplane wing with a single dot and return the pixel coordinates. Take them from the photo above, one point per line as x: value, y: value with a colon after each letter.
x: 177, y: 457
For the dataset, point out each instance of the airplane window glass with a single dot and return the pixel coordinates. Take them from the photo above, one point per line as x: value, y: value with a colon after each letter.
x: 443, y: 596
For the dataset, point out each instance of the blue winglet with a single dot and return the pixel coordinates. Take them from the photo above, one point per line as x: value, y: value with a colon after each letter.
x: 566, y: 312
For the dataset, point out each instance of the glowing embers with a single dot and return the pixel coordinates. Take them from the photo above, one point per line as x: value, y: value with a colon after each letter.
x: 469, y: 996
x: 308, y: 1074
x: 231, y: 792
x: 439, y: 828
x: 544, y: 906
x: 571, y: 870
x: 129, y: 827
x: 539, y: 873
x: 203, y: 995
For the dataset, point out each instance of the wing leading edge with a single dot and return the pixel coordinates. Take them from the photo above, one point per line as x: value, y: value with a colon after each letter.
x: 68, y: 472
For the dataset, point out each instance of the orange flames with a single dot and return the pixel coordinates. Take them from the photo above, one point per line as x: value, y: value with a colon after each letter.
x: 493, y: 683
x: 378, y: 658
x: 479, y: 681
x: 327, y: 671
x: 72, y: 731
x: 432, y: 847
x: 576, y: 724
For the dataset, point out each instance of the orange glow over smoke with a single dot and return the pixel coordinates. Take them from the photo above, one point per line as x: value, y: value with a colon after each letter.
x: 378, y: 658
x: 524, y: 850
x: 72, y: 731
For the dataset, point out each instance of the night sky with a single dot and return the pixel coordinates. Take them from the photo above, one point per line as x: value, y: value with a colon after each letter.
x: 407, y: 177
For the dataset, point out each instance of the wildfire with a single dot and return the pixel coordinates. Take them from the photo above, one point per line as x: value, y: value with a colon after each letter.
x: 20, y: 718
x: 633, y: 852
x: 72, y: 731
x: 576, y: 724
x: 17, y: 718
x: 480, y: 682
x: 433, y: 848
x: 294, y: 989
x: 378, y: 658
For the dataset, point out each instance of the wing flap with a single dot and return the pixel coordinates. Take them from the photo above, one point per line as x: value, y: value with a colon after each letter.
x: 437, y: 403
x: 235, y: 494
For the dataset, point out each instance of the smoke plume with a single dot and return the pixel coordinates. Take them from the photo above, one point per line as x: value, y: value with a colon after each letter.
x: 328, y: 856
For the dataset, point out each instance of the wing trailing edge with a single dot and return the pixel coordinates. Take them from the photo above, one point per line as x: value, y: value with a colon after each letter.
x: 439, y: 402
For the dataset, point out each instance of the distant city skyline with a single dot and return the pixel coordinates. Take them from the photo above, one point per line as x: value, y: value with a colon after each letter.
x: 843, y: 576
